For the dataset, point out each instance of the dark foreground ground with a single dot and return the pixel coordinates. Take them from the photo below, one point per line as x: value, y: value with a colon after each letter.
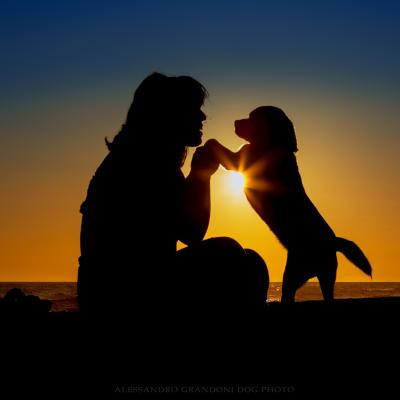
x: 350, y: 348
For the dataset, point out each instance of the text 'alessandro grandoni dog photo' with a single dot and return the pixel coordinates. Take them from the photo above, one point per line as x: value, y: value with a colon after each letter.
x: 275, y: 190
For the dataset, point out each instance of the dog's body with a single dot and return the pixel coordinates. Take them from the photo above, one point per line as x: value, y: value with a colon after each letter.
x: 274, y: 189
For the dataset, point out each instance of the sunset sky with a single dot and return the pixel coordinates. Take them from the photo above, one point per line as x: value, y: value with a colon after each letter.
x: 68, y: 71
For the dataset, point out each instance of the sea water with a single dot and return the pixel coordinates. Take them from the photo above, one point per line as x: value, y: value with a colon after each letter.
x: 64, y: 298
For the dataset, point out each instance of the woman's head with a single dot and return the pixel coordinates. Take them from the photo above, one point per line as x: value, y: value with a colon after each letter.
x: 166, y: 111
x: 267, y: 126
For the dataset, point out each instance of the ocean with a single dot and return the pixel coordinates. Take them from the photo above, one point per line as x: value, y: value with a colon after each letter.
x: 63, y: 294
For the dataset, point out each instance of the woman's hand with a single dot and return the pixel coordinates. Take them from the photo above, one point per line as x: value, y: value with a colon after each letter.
x: 227, y: 158
x: 205, y: 161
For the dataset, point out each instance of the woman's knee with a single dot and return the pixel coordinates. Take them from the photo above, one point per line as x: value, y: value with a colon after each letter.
x: 213, y: 247
x: 224, y: 243
x: 257, y: 263
x: 258, y: 276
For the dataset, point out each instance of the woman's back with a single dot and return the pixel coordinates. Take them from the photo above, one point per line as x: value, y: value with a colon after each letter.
x: 126, y: 215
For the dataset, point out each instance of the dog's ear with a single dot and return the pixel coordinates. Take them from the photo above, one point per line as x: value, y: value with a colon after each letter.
x: 275, y: 125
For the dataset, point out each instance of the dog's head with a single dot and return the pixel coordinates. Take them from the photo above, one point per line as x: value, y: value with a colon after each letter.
x: 267, y: 126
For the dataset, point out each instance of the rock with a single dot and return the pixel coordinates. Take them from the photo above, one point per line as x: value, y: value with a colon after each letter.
x: 15, y: 301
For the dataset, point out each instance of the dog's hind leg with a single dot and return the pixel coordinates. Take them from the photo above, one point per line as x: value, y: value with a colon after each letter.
x: 290, y: 285
x: 327, y: 285
x: 288, y: 292
x: 327, y: 280
x: 293, y: 279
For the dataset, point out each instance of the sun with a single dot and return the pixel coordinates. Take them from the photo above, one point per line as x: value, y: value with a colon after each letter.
x: 236, y: 182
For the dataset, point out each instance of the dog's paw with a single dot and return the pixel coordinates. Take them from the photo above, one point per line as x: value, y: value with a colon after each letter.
x: 212, y: 144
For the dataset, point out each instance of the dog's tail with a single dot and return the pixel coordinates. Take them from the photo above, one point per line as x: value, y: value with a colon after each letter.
x: 354, y: 254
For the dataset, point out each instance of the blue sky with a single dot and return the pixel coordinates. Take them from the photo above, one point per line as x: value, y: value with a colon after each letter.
x: 48, y: 46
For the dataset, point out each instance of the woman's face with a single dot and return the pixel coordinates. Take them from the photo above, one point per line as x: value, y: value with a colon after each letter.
x: 188, y: 125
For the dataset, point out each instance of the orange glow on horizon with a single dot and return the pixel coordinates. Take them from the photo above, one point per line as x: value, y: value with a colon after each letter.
x: 349, y: 173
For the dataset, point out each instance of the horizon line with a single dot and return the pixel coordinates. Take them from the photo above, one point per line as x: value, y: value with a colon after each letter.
x: 270, y: 282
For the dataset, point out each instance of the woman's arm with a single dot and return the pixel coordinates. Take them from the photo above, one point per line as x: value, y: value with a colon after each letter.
x: 196, y: 200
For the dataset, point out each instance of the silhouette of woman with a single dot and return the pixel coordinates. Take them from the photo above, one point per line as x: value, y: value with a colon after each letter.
x: 139, y: 204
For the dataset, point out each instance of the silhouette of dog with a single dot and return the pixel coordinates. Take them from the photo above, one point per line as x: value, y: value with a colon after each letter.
x: 274, y: 188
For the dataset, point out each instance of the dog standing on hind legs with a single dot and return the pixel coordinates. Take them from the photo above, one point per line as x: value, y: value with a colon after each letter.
x: 275, y: 191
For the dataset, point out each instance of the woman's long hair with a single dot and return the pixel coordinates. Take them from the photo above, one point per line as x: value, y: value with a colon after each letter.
x: 155, y: 99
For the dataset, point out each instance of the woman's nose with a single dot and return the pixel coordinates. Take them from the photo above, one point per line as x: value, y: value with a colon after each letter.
x: 203, y: 116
